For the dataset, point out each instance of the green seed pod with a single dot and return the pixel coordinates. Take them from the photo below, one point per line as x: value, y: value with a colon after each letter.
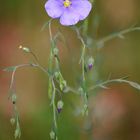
x: 25, y: 49
x: 14, y: 98
x: 17, y: 133
x: 12, y: 121
x: 52, y: 135
x: 55, y: 51
x: 56, y: 74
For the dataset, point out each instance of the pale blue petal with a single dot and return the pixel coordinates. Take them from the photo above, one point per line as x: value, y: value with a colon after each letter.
x: 54, y: 8
x: 82, y: 7
x: 69, y: 17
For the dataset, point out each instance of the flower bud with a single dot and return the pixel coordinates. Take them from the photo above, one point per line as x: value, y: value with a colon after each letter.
x: 25, y: 49
x: 60, y: 105
x: 90, y: 63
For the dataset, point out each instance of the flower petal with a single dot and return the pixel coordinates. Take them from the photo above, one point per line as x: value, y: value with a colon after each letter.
x: 54, y: 8
x: 69, y: 17
x: 82, y: 7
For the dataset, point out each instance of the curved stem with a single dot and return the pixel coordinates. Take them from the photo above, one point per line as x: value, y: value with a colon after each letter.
x: 20, y: 66
x: 121, y: 80
x: 82, y: 58
x: 117, y: 34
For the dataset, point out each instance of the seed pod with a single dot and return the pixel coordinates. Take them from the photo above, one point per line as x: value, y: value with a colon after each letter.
x: 52, y: 135
x: 25, y: 49
x: 56, y: 74
x: 55, y: 51
x: 14, y: 98
x: 12, y: 121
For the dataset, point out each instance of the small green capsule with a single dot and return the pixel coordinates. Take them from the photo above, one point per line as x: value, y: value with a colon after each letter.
x: 12, y: 121
x: 52, y: 135
x: 25, y: 49
x: 56, y: 74
x: 55, y: 51
x: 14, y: 98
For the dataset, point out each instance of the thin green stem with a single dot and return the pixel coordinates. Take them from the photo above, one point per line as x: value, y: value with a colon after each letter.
x: 85, y: 28
x: 51, y: 49
x: 35, y: 57
x: 82, y: 58
x: 53, y: 104
x: 118, y: 34
x: 70, y: 89
x: 83, y: 64
x: 13, y: 76
x: 51, y: 80
x: 82, y: 61
x: 121, y: 80
x: 20, y: 66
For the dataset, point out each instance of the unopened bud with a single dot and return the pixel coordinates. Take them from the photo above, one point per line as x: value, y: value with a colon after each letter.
x: 60, y: 105
x: 90, y: 63
x: 25, y: 49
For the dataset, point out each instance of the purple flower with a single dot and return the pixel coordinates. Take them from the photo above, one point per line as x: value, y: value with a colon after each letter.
x: 69, y: 12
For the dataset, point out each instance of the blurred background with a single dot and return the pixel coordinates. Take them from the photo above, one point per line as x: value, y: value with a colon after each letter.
x: 114, y: 113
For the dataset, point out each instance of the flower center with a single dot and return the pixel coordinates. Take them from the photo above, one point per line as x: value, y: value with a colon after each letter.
x: 67, y: 3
